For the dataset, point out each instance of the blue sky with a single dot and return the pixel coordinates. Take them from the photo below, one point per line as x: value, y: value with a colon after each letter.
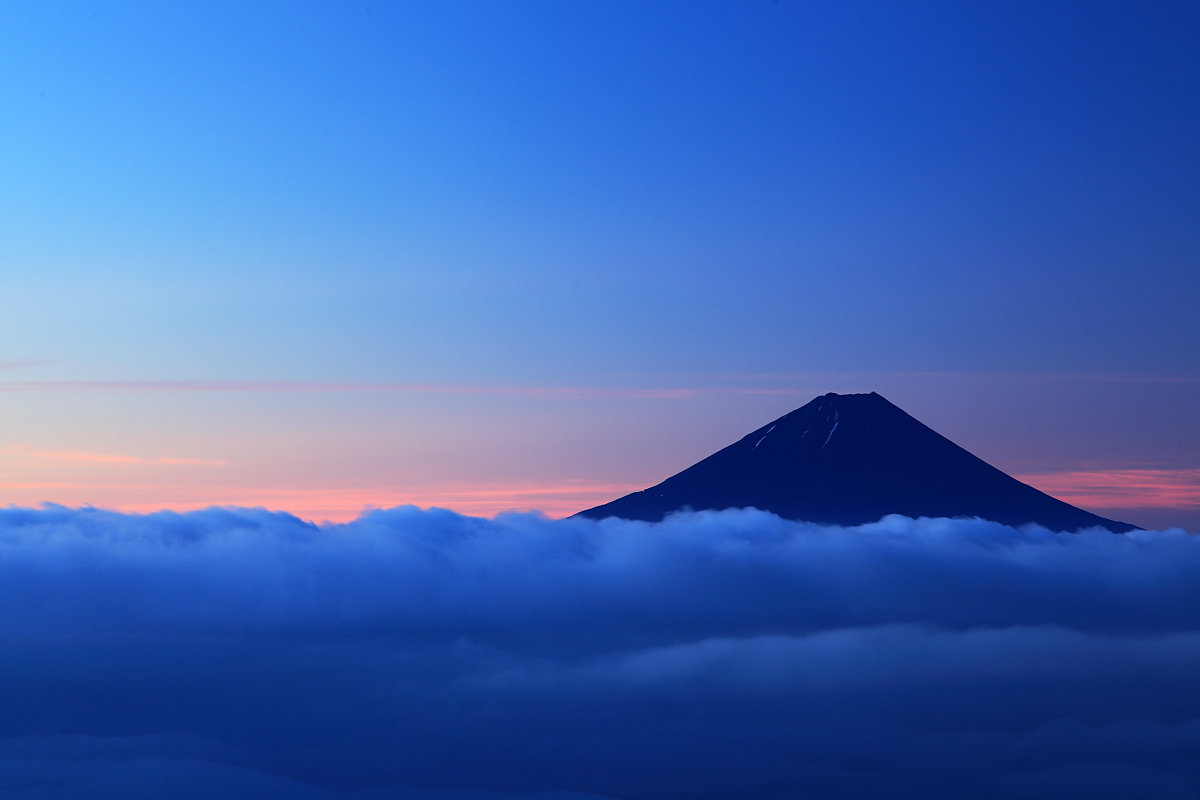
x: 784, y: 197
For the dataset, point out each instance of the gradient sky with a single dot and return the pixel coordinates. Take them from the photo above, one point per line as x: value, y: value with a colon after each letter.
x: 494, y: 255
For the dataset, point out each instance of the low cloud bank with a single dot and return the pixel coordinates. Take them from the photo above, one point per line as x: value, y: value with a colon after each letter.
x: 422, y: 654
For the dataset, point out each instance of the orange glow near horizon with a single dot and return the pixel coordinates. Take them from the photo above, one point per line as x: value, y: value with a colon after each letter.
x: 1088, y: 489
x: 1178, y: 489
x: 324, y: 504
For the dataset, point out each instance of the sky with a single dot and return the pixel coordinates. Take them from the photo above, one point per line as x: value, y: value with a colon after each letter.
x: 331, y: 256
x: 277, y: 278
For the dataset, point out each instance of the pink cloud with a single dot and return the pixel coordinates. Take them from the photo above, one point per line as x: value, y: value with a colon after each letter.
x: 80, y: 456
x: 91, y: 458
x: 21, y: 363
x: 1128, y: 488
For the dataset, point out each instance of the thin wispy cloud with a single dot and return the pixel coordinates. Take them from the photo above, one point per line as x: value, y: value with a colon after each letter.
x: 825, y: 378
x: 1122, y: 488
x: 108, y: 458
x: 400, y: 388
x: 21, y: 363
x: 702, y: 383
x: 88, y: 457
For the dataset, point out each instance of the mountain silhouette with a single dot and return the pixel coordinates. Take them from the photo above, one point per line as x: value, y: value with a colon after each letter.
x: 849, y: 459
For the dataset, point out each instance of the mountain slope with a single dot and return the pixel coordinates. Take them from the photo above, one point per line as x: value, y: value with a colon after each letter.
x: 848, y: 460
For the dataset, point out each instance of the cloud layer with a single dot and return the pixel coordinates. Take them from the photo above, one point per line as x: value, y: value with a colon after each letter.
x: 422, y: 654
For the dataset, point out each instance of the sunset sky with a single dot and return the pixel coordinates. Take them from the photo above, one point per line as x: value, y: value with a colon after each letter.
x: 329, y: 256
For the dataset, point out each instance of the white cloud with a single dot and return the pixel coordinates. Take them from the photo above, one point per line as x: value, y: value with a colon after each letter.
x: 426, y: 654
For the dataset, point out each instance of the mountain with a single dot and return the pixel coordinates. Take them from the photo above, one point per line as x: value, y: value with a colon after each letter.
x: 849, y: 459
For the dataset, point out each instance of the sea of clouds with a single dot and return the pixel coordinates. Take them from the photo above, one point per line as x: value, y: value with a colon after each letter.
x: 416, y: 654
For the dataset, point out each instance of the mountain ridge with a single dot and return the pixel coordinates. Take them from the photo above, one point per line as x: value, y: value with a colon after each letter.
x: 848, y: 460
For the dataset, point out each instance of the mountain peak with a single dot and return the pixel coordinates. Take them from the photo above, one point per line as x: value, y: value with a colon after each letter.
x: 850, y: 459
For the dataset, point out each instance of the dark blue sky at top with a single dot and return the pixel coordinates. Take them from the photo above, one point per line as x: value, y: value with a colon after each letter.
x: 556, y: 192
